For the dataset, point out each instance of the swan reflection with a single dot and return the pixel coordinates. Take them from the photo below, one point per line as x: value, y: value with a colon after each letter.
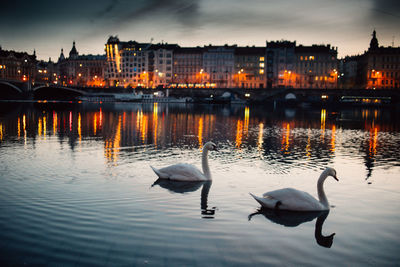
x: 294, y: 219
x: 186, y: 187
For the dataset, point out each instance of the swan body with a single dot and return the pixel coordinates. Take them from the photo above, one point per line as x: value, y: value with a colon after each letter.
x: 187, y: 172
x: 296, y: 200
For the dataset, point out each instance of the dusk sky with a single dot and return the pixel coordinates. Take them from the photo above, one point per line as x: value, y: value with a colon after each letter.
x: 48, y: 26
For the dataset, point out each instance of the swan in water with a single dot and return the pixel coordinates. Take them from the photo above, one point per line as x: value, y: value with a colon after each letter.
x: 295, y: 200
x: 294, y: 219
x: 186, y: 172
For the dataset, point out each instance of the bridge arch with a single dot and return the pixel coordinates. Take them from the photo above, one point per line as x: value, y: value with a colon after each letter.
x: 16, y: 88
x: 53, y: 92
x: 290, y: 96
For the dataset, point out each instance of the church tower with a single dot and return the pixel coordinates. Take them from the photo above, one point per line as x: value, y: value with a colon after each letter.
x: 61, y: 57
x: 373, y: 45
x: 73, y: 54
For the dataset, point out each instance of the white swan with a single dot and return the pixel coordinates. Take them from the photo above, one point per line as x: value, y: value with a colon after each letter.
x: 187, y: 172
x: 295, y: 200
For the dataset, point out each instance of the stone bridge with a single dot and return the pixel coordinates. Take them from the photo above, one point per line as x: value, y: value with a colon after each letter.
x: 23, y: 90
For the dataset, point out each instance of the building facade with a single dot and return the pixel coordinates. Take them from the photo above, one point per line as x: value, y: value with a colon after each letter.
x: 249, y: 70
x: 127, y: 63
x: 219, y: 65
x: 81, y: 70
x: 316, y: 66
x: 188, y: 67
x: 17, y: 66
x: 381, y: 66
x: 280, y: 63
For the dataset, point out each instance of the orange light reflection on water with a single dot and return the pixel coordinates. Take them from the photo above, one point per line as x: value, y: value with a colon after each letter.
x: 323, y: 121
x: 286, y: 139
x: 373, y: 140
x: 200, y: 132
x: 95, y: 124
x: 333, y: 139
x: 239, y: 133
x: 79, y: 127
x: 308, y: 147
x: 40, y: 127
x: 19, y: 128
x: 155, y: 123
x: 55, y: 123
x: 260, y: 136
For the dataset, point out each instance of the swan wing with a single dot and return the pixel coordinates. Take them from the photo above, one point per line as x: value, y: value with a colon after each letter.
x: 180, y: 172
x: 295, y: 200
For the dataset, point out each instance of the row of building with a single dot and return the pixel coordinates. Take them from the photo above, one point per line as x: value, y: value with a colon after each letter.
x: 278, y: 64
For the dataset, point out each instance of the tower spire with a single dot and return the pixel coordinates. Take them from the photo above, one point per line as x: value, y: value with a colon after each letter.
x: 374, y: 42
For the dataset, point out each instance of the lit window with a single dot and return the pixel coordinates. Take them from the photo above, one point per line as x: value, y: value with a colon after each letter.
x: 301, y: 57
x: 261, y: 58
x: 262, y: 65
x: 261, y: 71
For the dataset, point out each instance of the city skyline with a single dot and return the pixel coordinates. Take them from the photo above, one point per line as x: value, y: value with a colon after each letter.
x: 48, y: 26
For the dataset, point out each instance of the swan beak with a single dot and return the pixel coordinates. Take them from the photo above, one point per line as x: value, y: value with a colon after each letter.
x: 336, y: 178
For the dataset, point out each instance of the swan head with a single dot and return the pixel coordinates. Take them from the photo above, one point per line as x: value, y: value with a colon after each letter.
x: 331, y: 172
x: 210, y: 146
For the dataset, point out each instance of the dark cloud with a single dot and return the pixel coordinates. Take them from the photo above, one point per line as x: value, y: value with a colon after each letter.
x: 386, y: 11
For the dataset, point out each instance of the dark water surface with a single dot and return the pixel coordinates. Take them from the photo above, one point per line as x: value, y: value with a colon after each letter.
x: 76, y: 187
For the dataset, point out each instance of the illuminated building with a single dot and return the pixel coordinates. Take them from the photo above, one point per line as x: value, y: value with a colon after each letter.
x: 381, y: 66
x: 316, y: 66
x: 17, y: 66
x: 296, y: 66
x: 81, y: 70
x: 126, y: 63
x: 377, y: 68
x: 188, y: 66
x: 46, y: 72
x: 279, y: 58
x: 249, y: 71
x: 160, y: 63
x: 219, y: 64
x: 138, y: 64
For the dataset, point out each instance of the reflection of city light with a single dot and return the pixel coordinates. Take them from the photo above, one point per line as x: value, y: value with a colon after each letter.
x: 373, y: 140
x: 95, y: 124
x: 200, y: 132
x: 308, y: 147
x: 24, y: 127
x: 286, y: 139
x: 40, y: 127
x: 155, y: 123
x: 55, y: 122
x: 1, y: 131
x: 44, y: 127
x: 239, y: 133
x: 117, y: 140
x: 124, y: 121
x: 260, y: 136
x: 100, y: 118
x: 19, y: 128
x: 70, y: 121
x: 79, y: 127
x: 246, y: 119
x: 323, y: 120
x: 333, y: 140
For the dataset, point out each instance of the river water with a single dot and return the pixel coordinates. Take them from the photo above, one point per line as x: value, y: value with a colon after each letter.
x: 76, y: 187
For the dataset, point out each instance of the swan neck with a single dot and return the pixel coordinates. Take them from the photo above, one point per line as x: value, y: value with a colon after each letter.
x: 204, y: 162
x: 321, y: 193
